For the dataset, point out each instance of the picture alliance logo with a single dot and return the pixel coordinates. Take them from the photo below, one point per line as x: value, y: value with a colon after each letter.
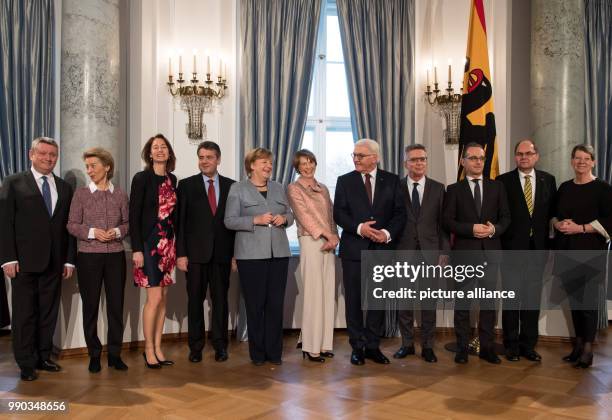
x: 412, y: 272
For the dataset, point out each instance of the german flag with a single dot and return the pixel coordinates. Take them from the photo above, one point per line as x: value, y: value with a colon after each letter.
x: 477, y: 119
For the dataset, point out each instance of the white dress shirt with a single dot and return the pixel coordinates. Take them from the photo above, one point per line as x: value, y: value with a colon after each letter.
x: 420, y: 187
x: 39, y: 182
x: 532, y: 179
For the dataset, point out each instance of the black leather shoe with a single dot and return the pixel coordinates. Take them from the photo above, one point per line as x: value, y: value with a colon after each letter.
x: 150, y: 365
x: 357, y: 357
x: 376, y: 356
x: 94, y: 365
x: 585, y: 361
x: 429, y: 356
x: 276, y: 362
x: 48, y: 365
x: 258, y: 362
x: 512, y: 356
x: 221, y: 355
x: 117, y: 363
x: 403, y: 352
x: 490, y: 357
x: 461, y: 357
x: 28, y: 374
x: 531, y: 355
x: 195, y: 356
x: 327, y: 354
x: 318, y: 359
x: 164, y: 362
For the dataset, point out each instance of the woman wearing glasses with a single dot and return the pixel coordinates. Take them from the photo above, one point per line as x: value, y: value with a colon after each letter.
x: 318, y: 239
x: 583, y: 222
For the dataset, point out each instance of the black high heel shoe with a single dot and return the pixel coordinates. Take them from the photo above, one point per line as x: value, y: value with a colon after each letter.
x: 150, y: 365
x: 164, y: 362
x: 313, y: 358
x: 585, y: 361
x: 327, y: 354
x: 574, y: 355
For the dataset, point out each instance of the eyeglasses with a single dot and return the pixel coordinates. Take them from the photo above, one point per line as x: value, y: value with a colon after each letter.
x: 360, y: 156
x: 526, y: 154
x: 476, y: 158
x: 417, y: 159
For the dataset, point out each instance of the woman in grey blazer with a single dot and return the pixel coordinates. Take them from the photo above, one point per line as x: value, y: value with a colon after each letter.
x: 258, y: 210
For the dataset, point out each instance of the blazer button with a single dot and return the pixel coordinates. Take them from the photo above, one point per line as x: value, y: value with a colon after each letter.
x: 371, y: 217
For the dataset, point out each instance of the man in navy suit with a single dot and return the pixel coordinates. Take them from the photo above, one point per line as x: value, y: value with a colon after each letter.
x: 476, y: 212
x: 36, y: 251
x: 369, y: 206
x: 204, y: 250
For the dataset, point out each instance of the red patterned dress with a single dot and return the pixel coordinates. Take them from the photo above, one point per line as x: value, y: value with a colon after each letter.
x: 159, y: 248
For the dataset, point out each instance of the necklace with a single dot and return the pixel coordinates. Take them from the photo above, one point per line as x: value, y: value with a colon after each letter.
x: 260, y: 186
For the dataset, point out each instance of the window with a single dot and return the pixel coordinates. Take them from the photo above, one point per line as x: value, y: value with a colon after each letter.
x: 328, y: 133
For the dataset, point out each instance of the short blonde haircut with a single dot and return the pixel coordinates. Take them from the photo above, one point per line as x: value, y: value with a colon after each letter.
x: 253, y: 155
x: 105, y: 157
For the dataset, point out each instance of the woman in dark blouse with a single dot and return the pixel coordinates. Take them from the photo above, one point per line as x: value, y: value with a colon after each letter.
x: 152, y: 211
x: 99, y: 220
x: 583, y: 222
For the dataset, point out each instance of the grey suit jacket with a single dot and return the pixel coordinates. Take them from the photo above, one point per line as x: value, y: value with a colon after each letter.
x: 425, y: 230
x: 254, y: 242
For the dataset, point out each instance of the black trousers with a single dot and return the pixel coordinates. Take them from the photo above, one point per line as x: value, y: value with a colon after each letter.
x: 36, y: 299
x: 360, y: 334
x: 486, y: 318
x: 199, y: 278
x: 263, y: 286
x: 93, y: 270
x: 5, y: 318
x: 520, y: 317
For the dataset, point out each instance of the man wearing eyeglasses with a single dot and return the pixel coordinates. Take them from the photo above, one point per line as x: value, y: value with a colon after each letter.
x: 423, y: 198
x: 476, y: 212
x: 369, y: 207
x: 531, y: 195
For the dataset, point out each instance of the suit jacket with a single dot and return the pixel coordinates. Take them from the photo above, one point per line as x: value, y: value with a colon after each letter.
x: 460, y: 214
x: 202, y: 237
x: 29, y: 235
x: 254, y: 242
x: 144, y: 206
x: 352, y: 207
x: 517, y: 235
x: 426, y: 230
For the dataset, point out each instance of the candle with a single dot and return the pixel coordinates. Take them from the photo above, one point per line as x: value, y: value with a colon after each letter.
x: 170, y: 66
x: 220, y: 67
x: 208, y: 64
x: 195, y: 52
x: 427, y: 70
x: 450, y: 78
x: 435, y: 75
x: 180, y: 64
x: 225, y: 72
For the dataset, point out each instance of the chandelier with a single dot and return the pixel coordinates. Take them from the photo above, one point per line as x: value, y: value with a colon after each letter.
x: 197, y: 97
x: 448, y: 106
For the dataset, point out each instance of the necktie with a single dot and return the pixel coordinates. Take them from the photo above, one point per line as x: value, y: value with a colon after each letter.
x: 46, y: 193
x: 416, y: 204
x: 528, y: 192
x: 368, y: 187
x: 212, y: 196
x: 477, y: 196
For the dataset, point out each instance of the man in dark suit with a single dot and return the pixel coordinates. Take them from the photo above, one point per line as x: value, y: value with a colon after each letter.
x: 369, y: 207
x: 531, y: 195
x: 423, y: 198
x: 204, y: 250
x: 36, y: 251
x: 476, y: 212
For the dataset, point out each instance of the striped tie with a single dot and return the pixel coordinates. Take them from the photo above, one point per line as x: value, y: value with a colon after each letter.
x: 527, y: 191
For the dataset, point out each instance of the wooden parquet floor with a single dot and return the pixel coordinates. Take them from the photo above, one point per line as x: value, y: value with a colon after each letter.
x: 407, y: 389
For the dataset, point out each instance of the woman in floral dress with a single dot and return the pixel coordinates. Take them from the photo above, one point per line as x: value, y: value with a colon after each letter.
x: 152, y: 211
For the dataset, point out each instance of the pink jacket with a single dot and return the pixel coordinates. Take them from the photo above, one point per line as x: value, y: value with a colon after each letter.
x: 312, y: 208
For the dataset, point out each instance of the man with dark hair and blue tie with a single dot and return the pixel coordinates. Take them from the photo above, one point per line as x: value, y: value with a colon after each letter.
x: 36, y: 251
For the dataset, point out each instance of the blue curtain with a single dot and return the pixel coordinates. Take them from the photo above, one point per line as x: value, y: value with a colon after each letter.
x: 598, y: 70
x: 378, y: 45
x: 27, y: 96
x: 278, y: 43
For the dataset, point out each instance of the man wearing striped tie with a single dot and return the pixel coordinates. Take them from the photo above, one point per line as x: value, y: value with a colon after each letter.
x: 36, y: 252
x: 531, y: 195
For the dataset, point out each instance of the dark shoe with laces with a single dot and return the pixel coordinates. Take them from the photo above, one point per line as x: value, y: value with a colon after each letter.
x: 531, y: 355
x: 403, y: 352
x: 195, y: 356
x: 48, y: 365
x: 117, y: 363
x: 512, y: 355
x: 357, y: 358
x: 489, y: 356
x: 429, y: 356
x: 376, y: 356
x: 461, y: 357
x: 94, y: 365
x: 221, y: 355
x: 28, y: 374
